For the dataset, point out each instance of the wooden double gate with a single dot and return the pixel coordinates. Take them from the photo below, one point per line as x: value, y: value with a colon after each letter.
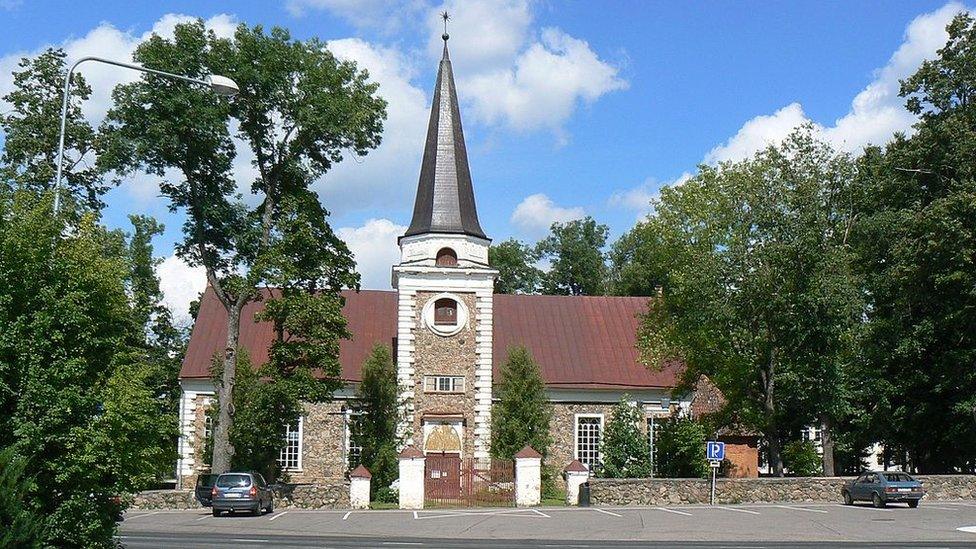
x: 450, y: 481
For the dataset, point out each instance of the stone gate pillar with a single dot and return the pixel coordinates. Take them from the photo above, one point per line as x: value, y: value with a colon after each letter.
x: 412, y: 463
x: 576, y: 474
x: 359, y: 481
x: 528, y: 477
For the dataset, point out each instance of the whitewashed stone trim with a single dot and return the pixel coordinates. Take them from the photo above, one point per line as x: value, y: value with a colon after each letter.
x: 528, y: 481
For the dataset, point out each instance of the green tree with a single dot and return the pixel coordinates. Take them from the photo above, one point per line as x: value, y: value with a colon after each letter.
x: 522, y: 413
x: 916, y: 244
x: 577, y: 261
x: 375, y: 426
x: 23, y: 526
x: 74, y: 397
x: 680, y: 449
x: 625, y: 448
x: 639, y: 262
x: 762, y: 295
x: 517, y: 273
x: 31, y: 128
x: 298, y: 110
x: 801, y: 458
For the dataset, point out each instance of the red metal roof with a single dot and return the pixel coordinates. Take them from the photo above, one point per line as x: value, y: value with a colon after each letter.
x: 578, y: 342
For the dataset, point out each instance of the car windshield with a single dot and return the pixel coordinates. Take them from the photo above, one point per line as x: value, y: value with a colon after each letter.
x: 234, y: 481
x: 898, y: 477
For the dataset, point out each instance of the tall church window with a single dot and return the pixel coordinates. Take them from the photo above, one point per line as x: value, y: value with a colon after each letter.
x: 290, y: 456
x: 445, y: 312
x: 589, y: 430
x: 446, y: 257
x: 354, y: 447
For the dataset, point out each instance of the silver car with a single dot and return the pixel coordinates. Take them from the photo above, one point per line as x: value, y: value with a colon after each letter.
x: 241, y: 491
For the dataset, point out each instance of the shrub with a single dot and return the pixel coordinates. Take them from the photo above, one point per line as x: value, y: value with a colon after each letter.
x: 800, y: 457
x: 680, y: 449
x: 387, y: 495
x: 626, y: 451
x: 22, y: 524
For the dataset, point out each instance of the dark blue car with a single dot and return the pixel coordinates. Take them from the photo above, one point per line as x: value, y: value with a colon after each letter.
x: 883, y: 487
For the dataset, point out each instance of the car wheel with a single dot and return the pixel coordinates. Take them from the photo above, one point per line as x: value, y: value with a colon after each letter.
x: 271, y: 506
x: 215, y: 512
x: 877, y: 501
x: 913, y: 503
x: 848, y: 500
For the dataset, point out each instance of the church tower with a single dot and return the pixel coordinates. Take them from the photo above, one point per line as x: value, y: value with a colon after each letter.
x: 444, y: 283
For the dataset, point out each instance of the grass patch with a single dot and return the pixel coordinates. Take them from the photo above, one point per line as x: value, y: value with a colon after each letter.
x: 383, y: 505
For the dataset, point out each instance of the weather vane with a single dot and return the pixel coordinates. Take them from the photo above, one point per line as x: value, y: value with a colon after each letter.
x: 445, y: 17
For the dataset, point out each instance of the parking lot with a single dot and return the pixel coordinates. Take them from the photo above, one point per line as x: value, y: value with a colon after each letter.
x: 948, y: 523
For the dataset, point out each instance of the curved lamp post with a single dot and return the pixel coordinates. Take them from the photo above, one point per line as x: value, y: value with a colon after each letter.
x: 220, y: 85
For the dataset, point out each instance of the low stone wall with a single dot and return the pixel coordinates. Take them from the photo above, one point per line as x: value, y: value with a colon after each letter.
x: 755, y: 490
x: 164, y: 499
x: 333, y: 495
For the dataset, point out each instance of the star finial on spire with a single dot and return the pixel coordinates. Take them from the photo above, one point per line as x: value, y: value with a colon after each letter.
x: 445, y: 16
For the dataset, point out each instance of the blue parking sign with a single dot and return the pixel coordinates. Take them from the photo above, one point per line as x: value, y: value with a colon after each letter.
x: 715, y: 450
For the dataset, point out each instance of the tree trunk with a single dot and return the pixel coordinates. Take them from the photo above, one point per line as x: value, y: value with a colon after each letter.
x: 827, y: 436
x: 769, y: 407
x: 223, y: 450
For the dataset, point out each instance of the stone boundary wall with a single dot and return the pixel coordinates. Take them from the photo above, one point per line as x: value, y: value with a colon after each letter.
x: 333, y: 495
x: 756, y: 490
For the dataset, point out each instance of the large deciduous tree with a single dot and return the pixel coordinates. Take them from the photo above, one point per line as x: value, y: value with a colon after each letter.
x: 75, y: 398
x: 517, y: 273
x: 31, y: 128
x: 918, y: 243
x: 761, y: 295
x: 577, y: 260
x: 298, y: 111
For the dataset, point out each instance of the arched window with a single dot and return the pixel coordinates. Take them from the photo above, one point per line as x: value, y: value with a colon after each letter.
x: 445, y: 312
x: 446, y: 258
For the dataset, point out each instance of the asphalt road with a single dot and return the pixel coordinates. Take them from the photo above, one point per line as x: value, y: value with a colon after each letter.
x: 933, y: 524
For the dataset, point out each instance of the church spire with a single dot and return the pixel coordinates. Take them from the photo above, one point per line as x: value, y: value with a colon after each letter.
x: 445, y: 197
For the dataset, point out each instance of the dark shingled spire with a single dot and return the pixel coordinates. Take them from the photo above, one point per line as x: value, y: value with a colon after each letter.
x: 445, y: 198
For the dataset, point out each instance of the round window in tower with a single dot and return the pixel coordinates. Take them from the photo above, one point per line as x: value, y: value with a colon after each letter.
x: 446, y: 257
x: 445, y: 314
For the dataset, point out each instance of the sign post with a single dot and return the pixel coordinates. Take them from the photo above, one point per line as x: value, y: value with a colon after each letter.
x: 715, y: 452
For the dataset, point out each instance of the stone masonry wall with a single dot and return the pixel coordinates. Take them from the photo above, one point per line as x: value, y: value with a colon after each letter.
x: 755, y: 490
x: 562, y: 430
x: 323, y: 444
x: 330, y: 495
x: 452, y: 356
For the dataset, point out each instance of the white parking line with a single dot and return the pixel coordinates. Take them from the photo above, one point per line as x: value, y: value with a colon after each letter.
x: 606, y: 512
x: 964, y: 504
x: 666, y: 510
x: 344, y: 517
x: 286, y: 512
x: 146, y: 515
x: 733, y: 509
x: 541, y: 514
x: 203, y: 517
x: 801, y: 509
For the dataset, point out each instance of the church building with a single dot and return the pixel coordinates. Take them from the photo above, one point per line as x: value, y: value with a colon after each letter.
x: 450, y: 335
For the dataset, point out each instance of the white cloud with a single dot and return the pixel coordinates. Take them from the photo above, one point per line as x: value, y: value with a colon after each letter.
x: 639, y: 198
x: 180, y: 284
x: 547, y: 83
x: 387, y: 175
x: 485, y: 34
x: 109, y: 42
x: 374, y: 245
x: 537, y: 212
x: 876, y: 113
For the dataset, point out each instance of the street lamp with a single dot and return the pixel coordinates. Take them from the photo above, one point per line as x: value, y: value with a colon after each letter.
x: 220, y: 85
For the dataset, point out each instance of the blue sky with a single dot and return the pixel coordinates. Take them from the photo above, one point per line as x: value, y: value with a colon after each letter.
x: 569, y: 108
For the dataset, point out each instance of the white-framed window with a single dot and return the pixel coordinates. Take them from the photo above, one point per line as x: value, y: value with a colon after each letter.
x: 354, y: 448
x: 290, y: 456
x: 588, y: 435
x: 443, y: 384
